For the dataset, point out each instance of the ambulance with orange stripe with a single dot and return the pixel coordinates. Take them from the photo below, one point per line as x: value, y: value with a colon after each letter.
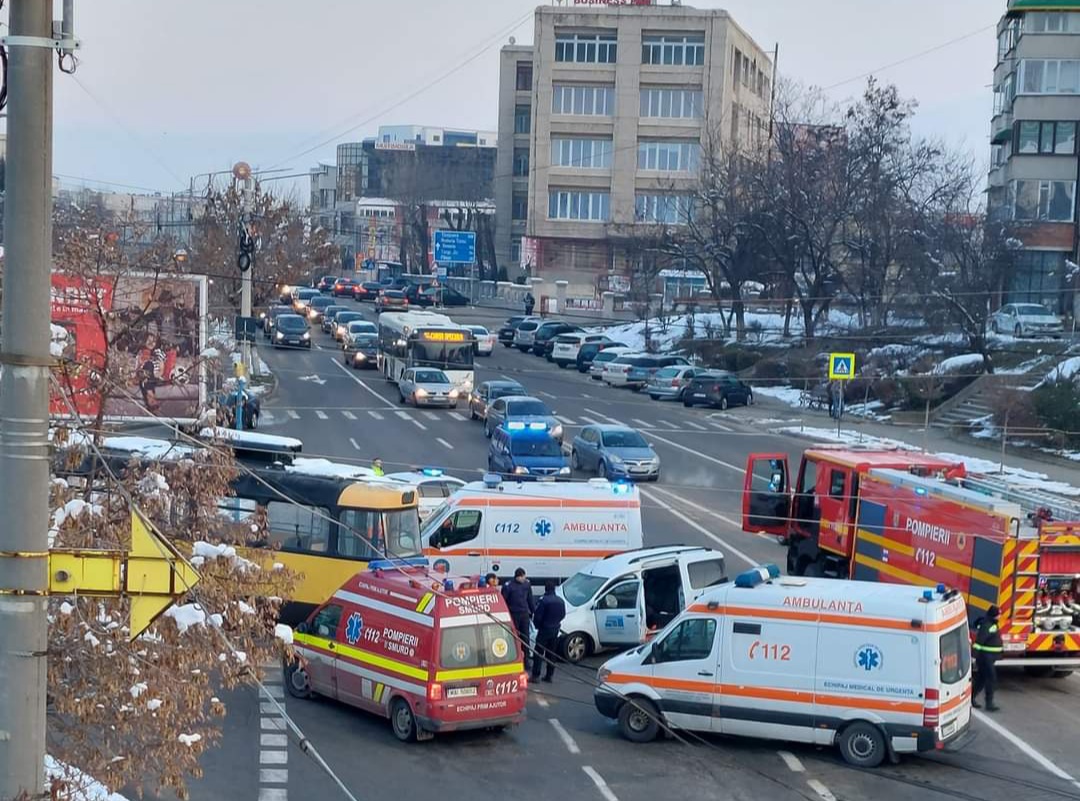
x: 875, y: 669
x: 432, y: 653
x: 901, y: 517
x: 552, y: 530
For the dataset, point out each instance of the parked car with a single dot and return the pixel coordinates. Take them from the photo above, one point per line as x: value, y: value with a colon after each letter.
x: 546, y: 333
x: 342, y: 321
x: 568, y: 345
x: 485, y: 340
x: 587, y: 353
x: 343, y: 288
x: 440, y: 296
x: 671, y: 382
x: 719, y: 390
x: 643, y: 370
x: 361, y: 351
x: 329, y: 314
x: 1026, y: 320
x: 368, y: 290
x: 613, y: 451
x: 391, y: 300
x: 507, y: 329
x: 489, y: 392
x: 525, y: 334
x: 602, y: 359
x: 522, y: 409
x: 426, y: 386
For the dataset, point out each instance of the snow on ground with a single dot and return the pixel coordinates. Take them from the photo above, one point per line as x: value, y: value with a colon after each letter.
x: 788, y: 395
x: 1065, y: 371
x: 964, y: 363
x: 80, y: 787
x: 791, y: 396
x: 1016, y: 476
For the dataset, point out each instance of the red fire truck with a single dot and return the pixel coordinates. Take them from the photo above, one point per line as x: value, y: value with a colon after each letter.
x: 910, y: 518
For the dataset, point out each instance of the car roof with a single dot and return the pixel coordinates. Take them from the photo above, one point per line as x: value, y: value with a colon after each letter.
x: 502, y: 382
x: 510, y: 398
x: 419, y: 477
x: 616, y: 564
x: 607, y: 428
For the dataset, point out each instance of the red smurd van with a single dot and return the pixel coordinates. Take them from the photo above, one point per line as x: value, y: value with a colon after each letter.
x: 430, y: 652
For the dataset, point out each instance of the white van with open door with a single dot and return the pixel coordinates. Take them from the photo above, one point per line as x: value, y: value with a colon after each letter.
x: 624, y: 600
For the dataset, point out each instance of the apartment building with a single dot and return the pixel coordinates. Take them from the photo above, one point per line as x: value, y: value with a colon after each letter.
x: 601, y: 126
x: 1034, y: 165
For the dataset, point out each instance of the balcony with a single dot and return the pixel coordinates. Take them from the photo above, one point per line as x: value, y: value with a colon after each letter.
x: 1001, y: 126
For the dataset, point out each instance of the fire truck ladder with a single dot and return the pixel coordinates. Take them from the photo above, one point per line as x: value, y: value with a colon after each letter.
x: 1028, y: 498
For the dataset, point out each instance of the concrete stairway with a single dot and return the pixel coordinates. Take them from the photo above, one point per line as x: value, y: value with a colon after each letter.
x: 976, y: 400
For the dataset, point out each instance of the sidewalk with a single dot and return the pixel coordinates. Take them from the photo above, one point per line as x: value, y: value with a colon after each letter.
x: 776, y: 414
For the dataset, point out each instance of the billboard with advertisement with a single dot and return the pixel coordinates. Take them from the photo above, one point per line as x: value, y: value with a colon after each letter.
x: 133, y: 341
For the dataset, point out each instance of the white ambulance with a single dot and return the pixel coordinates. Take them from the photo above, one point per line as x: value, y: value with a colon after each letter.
x: 876, y: 669
x: 550, y: 529
x: 624, y: 600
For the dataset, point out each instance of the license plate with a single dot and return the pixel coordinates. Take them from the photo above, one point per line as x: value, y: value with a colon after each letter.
x: 1014, y: 647
x: 461, y: 692
x: 699, y: 394
x: 948, y: 730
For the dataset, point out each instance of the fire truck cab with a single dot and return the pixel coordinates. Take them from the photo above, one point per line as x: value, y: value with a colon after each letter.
x: 911, y: 518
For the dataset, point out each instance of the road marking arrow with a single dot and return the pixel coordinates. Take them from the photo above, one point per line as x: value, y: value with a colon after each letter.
x: 313, y: 379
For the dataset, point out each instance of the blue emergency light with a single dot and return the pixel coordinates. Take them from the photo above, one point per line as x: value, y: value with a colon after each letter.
x: 928, y: 595
x: 759, y: 575
x: 405, y: 561
x: 432, y: 472
x: 941, y: 589
x: 448, y: 585
x: 920, y: 491
x: 621, y: 487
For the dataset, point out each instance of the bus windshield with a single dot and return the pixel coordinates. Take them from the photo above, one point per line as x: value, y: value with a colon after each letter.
x: 444, y: 355
x: 375, y: 534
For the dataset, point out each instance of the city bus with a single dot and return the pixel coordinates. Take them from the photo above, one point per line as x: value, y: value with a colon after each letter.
x: 426, y: 339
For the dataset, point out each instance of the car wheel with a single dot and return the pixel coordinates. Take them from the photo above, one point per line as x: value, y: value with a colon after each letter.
x: 749, y: 398
x: 723, y: 403
x: 297, y: 682
x: 575, y: 647
x: 687, y: 402
x: 575, y: 460
x: 472, y: 413
x: 562, y: 365
x: 402, y: 720
x: 863, y: 745
x: 639, y: 720
x: 487, y: 429
x: 601, y: 469
x: 654, y: 397
x: 401, y: 397
x: 1018, y: 331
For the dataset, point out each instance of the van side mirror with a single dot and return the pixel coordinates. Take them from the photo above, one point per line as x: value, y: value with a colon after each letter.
x: 302, y: 628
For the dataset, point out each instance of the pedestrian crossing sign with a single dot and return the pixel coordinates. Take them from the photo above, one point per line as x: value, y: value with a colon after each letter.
x: 841, y: 366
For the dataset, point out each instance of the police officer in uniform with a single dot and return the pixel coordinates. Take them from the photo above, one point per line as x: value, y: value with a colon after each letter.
x: 988, y: 648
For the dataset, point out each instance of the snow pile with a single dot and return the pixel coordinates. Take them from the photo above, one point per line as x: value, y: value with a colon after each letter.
x: 73, y: 509
x: 250, y: 438
x: 186, y: 616
x: 58, y: 340
x: 1066, y: 371
x: 284, y: 633
x: 151, y: 449
x: 189, y: 739
x: 138, y: 689
x: 324, y: 468
x: 201, y: 551
x: 966, y: 363
x: 154, y: 704
x: 788, y: 395
x: 80, y: 787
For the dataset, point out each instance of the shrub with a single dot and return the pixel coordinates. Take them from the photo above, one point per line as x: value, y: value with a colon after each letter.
x: 1014, y: 409
x: 1056, y: 406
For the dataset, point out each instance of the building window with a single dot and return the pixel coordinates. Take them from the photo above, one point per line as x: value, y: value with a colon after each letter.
x: 1007, y: 39
x: 673, y: 49
x: 1040, y: 277
x: 574, y: 205
x: 1000, y: 154
x: 671, y: 103
x: 587, y: 154
x: 662, y: 209
x: 519, y: 209
x: 669, y: 156
x: 1049, y: 76
x: 1044, y: 201
x: 515, y: 250
x: 522, y: 119
x: 521, y: 162
x: 589, y: 101
x: 736, y: 71
x: 1051, y: 22
x: 1047, y: 138
x: 1005, y: 94
x: 524, y: 76
x: 585, y: 48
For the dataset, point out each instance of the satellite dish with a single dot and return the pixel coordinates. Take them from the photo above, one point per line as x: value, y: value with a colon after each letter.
x: 513, y: 40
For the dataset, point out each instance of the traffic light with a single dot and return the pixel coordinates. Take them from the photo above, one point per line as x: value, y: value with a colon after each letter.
x: 245, y: 246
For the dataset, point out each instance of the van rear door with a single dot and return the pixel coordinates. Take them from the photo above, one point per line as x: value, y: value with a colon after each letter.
x: 953, y: 664
x: 700, y: 572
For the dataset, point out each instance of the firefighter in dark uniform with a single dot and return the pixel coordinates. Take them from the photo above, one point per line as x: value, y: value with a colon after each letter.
x: 988, y: 648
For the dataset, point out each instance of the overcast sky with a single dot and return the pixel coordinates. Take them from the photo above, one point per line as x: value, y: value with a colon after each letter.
x: 167, y: 90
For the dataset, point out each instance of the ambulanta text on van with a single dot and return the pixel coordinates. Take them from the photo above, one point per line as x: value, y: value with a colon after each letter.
x: 623, y: 600
x: 876, y: 669
x: 432, y: 653
x: 551, y: 530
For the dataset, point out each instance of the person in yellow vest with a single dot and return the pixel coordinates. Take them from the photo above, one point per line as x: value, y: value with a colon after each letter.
x: 377, y: 467
x: 988, y: 648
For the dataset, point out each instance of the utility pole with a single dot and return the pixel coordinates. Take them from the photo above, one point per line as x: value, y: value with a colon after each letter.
x: 24, y: 401
x: 246, y: 254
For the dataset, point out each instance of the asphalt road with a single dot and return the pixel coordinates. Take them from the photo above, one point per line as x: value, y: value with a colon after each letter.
x: 565, y: 749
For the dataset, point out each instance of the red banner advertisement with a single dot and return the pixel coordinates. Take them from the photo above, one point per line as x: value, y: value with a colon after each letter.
x: 132, y: 342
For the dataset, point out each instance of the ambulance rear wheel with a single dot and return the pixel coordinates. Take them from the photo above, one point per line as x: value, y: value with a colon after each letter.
x: 639, y: 720
x: 297, y: 681
x: 863, y: 745
x: 403, y: 720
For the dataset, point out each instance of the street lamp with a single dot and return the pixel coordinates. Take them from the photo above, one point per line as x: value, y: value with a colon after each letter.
x: 180, y: 257
x: 241, y: 171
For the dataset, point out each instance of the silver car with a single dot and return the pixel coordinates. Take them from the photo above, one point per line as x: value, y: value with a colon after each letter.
x: 669, y: 383
x: 600, y: 361
x: 1026, y: 320
x: 525, y: 335
x: 426, y: 386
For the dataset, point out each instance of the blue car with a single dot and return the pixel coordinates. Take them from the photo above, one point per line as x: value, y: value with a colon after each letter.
x: 615, y: 452
x: 526, y: 451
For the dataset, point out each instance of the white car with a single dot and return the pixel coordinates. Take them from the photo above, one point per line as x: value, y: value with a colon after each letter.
x: 485, y: 340
x: 1026, y: 320
x: 432, y: 486
x: 615, y: 371
x: 604, y: 358
x: 565, y: 351
x: 356, y: 329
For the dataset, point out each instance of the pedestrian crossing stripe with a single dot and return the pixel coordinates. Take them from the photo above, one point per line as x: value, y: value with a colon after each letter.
x: 841, y: 366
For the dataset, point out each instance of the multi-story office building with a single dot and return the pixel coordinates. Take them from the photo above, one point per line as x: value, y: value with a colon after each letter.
x: 1034, y: 166
x: 601, y: 126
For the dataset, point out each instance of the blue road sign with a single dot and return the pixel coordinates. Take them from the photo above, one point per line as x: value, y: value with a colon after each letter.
x: 455, y: 247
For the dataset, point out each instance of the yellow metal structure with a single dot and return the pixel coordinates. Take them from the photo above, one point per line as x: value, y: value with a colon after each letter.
x: 153, y: 574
